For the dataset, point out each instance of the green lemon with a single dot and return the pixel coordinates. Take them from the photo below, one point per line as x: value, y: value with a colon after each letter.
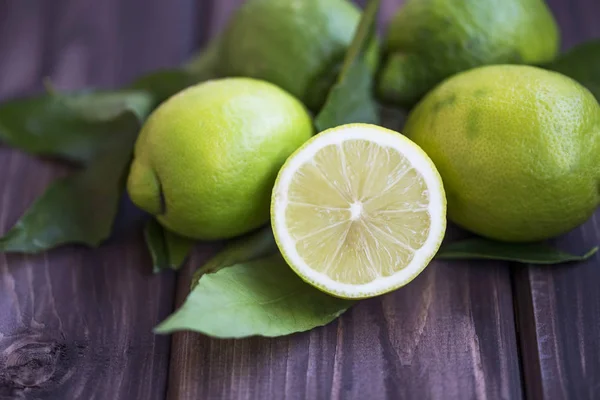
x: 298, y: 45
x: 430, y: 40
x: 206, y: 160
x: 518, y: 149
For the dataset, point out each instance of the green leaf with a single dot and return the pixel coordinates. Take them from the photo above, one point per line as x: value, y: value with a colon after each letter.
x: 97, y: 130
x: 258, y: 244
x: 581, y: 63
x: 167, y: 249
x: 527, y: 253
x: 248, y: 289
x: 351, y: 98
x: 263, y: 297
x: 164, y: 83
x: 72, y: 126
x: 350, y: 101
x: 205, y: 65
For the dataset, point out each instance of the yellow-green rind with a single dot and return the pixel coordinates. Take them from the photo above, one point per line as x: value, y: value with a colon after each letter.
x: 142, y: 182
x: 297, y: 45
x: 518, y: 148
x: 214, y: 151
x: 429, y: 41
x: 322, y: 287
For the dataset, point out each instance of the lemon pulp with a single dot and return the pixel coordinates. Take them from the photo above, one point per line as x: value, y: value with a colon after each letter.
x: 359, y: 210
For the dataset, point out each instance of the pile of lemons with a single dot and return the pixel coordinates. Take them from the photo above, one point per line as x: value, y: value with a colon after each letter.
x: 512, y: 151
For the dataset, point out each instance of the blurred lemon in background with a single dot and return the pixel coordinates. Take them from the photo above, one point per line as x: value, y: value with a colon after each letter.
x: 430, y: 40
x: 299, y: 45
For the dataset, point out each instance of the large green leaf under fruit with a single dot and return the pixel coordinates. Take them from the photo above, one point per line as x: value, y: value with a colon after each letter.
x: 258, y: 244
x: 262, y: 297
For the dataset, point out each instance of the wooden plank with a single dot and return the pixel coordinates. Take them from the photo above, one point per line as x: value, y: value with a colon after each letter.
x: 559, y: 306
x: 559, y: 324
x: 76, y: 323
x: 448, y: 335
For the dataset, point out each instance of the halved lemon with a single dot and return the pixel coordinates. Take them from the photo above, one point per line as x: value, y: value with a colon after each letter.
x: 358, y: 211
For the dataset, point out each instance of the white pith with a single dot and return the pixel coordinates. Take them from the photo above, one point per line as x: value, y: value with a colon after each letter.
x: 384, y: 138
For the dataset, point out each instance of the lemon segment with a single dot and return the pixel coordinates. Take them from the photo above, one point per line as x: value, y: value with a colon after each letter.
x: 358, y: 211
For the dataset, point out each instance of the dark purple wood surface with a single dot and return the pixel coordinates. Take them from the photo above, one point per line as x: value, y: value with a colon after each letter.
x: 76, y: 323
x: 559, y: 306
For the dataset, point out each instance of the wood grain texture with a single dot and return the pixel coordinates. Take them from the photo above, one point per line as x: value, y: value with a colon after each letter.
x: 76, y: 323
x: 559, y: 320
x: 448, y: 335
x: 559, y: 307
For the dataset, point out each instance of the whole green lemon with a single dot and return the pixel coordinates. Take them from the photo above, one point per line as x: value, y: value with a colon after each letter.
x: 206, y: 159
x: 430, y: 40
x: 518, y: 149
x: 298, y: 45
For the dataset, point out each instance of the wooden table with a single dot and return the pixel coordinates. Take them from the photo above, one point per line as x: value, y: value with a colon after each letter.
x: 76, y: 323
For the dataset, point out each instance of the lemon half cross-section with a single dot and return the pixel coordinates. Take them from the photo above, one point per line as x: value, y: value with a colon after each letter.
x: 358, y: 211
